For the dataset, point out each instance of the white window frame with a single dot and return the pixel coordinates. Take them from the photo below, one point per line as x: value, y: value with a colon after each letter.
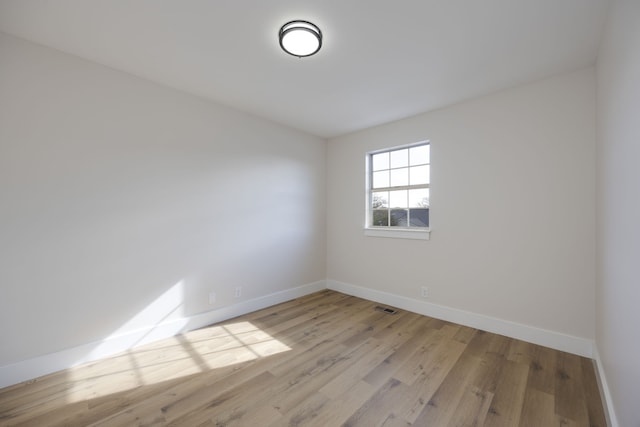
x: 420, y: 233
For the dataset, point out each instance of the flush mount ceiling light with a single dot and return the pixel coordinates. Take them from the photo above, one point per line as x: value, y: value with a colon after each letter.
x: 300, y: 38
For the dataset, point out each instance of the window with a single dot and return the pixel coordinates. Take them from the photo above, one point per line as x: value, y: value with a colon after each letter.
x: 398, y: 188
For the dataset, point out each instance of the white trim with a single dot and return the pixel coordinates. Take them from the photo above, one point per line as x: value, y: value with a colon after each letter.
x: 400, y: 147
x: 610, y: 413
x: 398, y: 233
x: 552, y: 339
x: 41, y: 365
x: 46, y: 364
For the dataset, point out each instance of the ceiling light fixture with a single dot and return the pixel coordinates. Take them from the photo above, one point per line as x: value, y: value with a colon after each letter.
x: 300, y: 38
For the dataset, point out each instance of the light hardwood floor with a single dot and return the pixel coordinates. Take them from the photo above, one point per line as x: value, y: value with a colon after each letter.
x: 326, y: 359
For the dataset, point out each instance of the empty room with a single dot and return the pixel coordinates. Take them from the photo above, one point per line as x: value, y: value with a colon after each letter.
x: 219, y: 213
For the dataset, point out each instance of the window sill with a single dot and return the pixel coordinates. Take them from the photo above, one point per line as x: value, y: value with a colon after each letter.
x: 401, y: 233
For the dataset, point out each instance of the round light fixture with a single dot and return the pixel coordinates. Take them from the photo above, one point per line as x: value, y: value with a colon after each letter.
x: 300, y: 38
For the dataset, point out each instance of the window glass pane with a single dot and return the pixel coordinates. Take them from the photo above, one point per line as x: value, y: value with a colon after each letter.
x: 399, y: 177
x: 380, y: 218
x: 400, y: 158
x: 380, y: 161
x: 419, y: 155
x: 398, y: 217
x: 398, y: 199
x: 419, y: 217
x: 405, y: 168
x: 419, y: 198
x: 380, y: 199
x: 419, y: 175
x: 381, y: 179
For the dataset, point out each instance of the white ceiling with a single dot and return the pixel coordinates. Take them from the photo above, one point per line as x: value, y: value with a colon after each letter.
x: 381, y: 60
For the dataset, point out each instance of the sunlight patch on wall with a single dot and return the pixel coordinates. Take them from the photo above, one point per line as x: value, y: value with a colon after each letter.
x: 166, y: 311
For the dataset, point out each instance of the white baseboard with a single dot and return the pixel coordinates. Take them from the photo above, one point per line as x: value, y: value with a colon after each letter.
x: 49, y: 363
x: 35, y: 367
x: 604, y: 389
x: 555, y: 340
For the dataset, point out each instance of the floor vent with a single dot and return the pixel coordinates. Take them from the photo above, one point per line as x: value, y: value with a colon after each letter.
x: 386, y: 310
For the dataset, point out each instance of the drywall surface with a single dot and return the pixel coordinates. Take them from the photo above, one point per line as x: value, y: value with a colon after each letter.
x: 512, y: 207
x: 618, y: 196
x: 125, y: 204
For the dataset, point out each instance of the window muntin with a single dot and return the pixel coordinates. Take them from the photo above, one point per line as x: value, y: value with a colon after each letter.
x: 399, y: 180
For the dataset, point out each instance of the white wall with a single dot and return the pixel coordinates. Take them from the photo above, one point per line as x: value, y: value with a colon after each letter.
x: 618, y: 278
x: 115, y: 191
x: 512, y: 207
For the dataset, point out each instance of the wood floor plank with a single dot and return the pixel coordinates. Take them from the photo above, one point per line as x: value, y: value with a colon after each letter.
x: 342, y: 405
x: 326, y: 359
x: 592, y: 394
x: 305, y: 413
x: 379, y: 407
x: 470, y: 384
x: 436, y: 369
x: 383, y: 372
x: 506, y: 406
x: 465, y: 334
x: 472, y: 408
x: 433, y: 342
x: 570, y: 401
x: 542, y: 375
x: 360, y: 367
x: 306, y: 379
x: 440, y: 409
x: 538, y: 409
x: 233, y: 405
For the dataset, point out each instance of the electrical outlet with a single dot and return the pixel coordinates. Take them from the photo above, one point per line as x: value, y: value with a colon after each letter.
x: 238, y: 291
x: 424, y: 292
x: 212, y: 297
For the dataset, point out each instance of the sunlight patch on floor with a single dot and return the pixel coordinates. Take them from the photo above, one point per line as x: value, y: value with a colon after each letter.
x: 202, y: 350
